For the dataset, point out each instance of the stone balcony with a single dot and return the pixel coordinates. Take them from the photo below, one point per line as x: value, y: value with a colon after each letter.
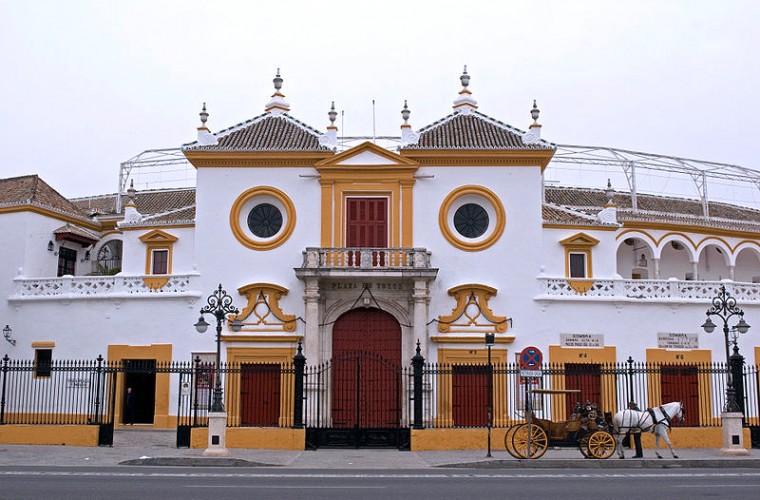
x: 104, y: 287
x: 354, y: 262
x: 670, y: 290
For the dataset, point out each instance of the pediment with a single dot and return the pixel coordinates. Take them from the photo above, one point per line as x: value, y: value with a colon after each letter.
x: 158, y: 236
x: 579, y: 240
x: 366, y: 154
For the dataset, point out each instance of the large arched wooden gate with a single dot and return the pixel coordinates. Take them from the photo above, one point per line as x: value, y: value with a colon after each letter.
x: 357, y: 397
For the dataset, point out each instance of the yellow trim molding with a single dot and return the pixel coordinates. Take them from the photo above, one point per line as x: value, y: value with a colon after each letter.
x: 480, y: 158
x: 157, y: 240
x: 470, y: 310
x: 255, y: 159
x: 580, y: 243
x: 451, y: 234
x: 394, y: 180
x: 470, y: 339
x: 269, y: 243
x: 561, y: 356
x: 49, y: 213
x: 161, y: 353
x: 260, y: 355
x: 46, y: 344
x: 263, y: 312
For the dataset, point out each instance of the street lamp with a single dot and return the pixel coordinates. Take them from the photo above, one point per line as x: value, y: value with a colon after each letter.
x: 220, y: 305
x: 724, y: 307
x: 490, y: 339
x: 7, y: 334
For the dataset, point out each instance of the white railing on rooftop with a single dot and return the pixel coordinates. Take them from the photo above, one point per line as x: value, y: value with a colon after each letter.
x: 645, y: 290
x: 94, y: 287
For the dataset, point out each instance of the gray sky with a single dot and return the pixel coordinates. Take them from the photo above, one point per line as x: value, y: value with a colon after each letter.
x: 89, y: 84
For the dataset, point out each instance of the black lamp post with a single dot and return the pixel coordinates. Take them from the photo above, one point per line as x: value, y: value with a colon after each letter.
x: 724, y: 307
x: 490, y: 339
x: 220, y: 305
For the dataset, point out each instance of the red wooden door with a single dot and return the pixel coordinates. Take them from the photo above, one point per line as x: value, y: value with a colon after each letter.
x: 681, y: 383
x: 469, y: 395
x: 587, y: 378
x: 366, y: 227
x: 260, y: 394
x: 366, y: 370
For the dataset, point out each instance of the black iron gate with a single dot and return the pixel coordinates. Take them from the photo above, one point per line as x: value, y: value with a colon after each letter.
x: 355, y: 400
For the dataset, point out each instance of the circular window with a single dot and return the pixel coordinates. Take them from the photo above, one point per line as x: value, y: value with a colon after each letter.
x: 262, y: 218
x: 472, y: 218
x: 265, y: 220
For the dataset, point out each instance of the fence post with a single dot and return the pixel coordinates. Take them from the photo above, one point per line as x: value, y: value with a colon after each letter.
x: 630, y: 380
x: 2, y: 399
x: 418, y: 361
x: 197, y: 361
x: 299, y: 364
x: 737, y: 376
x: 99, y: 372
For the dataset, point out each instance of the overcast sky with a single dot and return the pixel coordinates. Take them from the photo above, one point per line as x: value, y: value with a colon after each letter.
x: 89, y: 84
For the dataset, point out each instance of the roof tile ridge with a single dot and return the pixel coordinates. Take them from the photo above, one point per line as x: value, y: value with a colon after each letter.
x: 304, y: 126
x: 438, y: 122
x: 168, y: 212
x: 510, y: 128
x: 570, y: 211
x: 231, y: 129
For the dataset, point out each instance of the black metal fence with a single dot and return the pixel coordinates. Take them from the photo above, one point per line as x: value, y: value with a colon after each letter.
x: 422, y: 395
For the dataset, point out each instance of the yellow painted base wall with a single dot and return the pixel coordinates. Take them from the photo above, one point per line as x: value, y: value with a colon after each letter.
x: 477, y: 439
x: 68, y: 435
x: 263, y: 438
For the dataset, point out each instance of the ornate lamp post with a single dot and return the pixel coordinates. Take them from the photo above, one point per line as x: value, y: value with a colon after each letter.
x: 724, y: 307
x: 220, y: 305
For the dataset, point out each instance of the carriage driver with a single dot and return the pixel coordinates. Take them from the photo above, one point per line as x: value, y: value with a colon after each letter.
x: 636, y: 432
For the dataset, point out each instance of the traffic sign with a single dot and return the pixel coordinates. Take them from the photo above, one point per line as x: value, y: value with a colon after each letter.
x: 531, y: 358
x: 531, y: 373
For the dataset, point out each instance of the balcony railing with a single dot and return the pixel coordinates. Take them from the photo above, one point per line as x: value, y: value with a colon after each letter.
x: 366, y: 258
x: 102, y: 287
x: 644, y: 290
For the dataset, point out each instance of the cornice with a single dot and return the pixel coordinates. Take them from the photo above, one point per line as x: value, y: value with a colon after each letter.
x: 587, y: 227
x: 252, y: 159
x: 47, y: 212
x: 480, y: 157
x: 707, y: 230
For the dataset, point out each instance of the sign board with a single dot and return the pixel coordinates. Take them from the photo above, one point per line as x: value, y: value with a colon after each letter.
x: 581, y: 340
x: 531, y: 358
x: 531, y: 373
x: 668, y: 340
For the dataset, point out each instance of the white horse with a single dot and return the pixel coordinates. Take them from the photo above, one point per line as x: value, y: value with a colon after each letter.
x: 655, y: 420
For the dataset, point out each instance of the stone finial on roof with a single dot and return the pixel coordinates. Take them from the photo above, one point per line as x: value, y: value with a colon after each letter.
x: 608, y: 214
x: 330, y: 139
x: 609, y: 193
x: 533, y: 135
x: 205, y: 137
x: 277, y: 105
x: 408, y: 136
x: 465, y: 102
x: 130, y: 209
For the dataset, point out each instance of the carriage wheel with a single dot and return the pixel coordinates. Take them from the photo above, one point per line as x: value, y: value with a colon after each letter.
x: 539, y: 442
x: 601, y: 444
x: 583, y: 446
x: 508, y: 444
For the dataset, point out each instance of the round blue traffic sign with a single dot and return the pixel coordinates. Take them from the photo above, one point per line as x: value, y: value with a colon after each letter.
x: 530, y: 358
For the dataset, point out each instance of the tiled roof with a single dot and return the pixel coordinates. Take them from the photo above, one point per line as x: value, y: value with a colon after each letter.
x: 149, y: 202
x: 652, y: 208
x: 472, y: 130
x: 31, y: 190
x: 78, y: 232
x: 265, y: 132
x: 553, y: 214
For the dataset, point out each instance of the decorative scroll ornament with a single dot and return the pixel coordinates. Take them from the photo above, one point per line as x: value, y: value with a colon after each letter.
x: 263, y: 312
x: 472, y: 313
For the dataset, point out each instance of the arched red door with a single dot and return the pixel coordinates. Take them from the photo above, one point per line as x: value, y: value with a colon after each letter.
x: 366, y: 370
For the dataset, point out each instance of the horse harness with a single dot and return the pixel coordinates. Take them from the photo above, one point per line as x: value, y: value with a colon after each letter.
x: 666, y: 419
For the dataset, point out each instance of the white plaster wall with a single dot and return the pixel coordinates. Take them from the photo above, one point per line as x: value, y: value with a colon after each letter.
x: 221, y: 258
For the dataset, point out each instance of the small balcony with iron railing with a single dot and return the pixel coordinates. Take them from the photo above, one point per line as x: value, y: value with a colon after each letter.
x: 380, y: 262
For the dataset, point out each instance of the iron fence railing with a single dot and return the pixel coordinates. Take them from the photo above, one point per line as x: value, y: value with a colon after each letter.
x: 422, y: 395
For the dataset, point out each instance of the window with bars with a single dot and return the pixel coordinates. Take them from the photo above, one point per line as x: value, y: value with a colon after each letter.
x: 67, y: 259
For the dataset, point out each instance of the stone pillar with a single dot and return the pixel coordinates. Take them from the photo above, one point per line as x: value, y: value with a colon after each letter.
x: 731, y: 272
x: 421, y: 299
x: 656, y: 263
x: 695, y: 270
x: 733, y: 436
x: 217, y: 435
x: 311, y: 317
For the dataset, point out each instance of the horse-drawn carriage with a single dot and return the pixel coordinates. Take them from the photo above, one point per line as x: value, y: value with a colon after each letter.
x: 588, y: 429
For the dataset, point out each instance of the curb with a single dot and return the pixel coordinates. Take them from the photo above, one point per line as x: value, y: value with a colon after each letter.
x: 610, y: 464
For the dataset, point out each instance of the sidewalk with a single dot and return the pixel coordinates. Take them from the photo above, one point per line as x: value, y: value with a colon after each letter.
x: 152, y: 447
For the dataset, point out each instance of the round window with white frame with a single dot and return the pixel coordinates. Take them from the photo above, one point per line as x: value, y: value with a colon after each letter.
x: 472, y: 218
x: 262, y: 218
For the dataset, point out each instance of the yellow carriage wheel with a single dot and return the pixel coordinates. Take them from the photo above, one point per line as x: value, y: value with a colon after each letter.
x: 601, y: 444
x: 508, y: 444
x: 583, y: 446
x: 535, y: 447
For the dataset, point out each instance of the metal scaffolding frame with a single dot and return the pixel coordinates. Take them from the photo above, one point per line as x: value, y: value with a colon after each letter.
x: 629, y: 162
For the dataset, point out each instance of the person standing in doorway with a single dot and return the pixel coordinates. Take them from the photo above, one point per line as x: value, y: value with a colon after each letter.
x: 130, y: 407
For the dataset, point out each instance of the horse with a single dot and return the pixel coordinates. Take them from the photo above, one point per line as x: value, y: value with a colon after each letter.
x: 656, y: 420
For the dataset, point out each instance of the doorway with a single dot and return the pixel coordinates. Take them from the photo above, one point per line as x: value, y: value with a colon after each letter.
x: 140, y: 377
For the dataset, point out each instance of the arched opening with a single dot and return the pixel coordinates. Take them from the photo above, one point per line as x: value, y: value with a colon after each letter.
x: 634, y: 259
x: 747, y: 268
x: 713, y: 263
